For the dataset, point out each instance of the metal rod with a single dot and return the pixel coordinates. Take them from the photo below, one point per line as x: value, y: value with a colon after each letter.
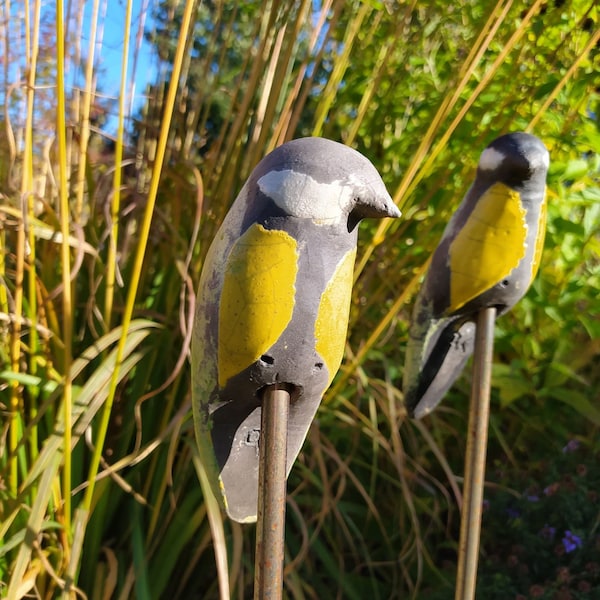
x: 272, y: 480
x: 479, y: 413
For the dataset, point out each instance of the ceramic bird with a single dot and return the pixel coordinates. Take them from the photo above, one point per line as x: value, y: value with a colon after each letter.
x: 488, y: 256
x: 273, y: 304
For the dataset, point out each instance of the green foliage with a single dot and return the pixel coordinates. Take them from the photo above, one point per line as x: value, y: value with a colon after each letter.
x: 420, y: 88
x: 544, y: 542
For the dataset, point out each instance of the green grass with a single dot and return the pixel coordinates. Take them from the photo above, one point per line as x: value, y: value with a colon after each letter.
x: 101, y: 247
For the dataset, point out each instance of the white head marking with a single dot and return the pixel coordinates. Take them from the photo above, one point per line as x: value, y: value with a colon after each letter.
x: 490, y: 159
x: 542, y: 159
x: 299, y: 195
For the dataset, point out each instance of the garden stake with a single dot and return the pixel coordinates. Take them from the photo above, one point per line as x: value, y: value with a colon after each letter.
x: 479, y: 412
x: 272, y: 478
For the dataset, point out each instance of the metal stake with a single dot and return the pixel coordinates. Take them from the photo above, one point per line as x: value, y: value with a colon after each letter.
x: 479, y: 413
x: 270, y: 526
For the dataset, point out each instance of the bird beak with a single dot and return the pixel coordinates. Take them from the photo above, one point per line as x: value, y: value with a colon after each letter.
x: 391, y: 210
x: 377, y: 206
x: 380, y: 206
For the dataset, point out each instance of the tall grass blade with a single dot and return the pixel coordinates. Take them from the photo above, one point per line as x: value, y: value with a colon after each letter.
x: 215, y: 518
x: 115, y: 204
x: 65, y: 257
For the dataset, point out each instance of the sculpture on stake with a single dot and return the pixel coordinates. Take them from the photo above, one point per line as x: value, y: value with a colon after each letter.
x: 486, y: 260
x: 270, y: 328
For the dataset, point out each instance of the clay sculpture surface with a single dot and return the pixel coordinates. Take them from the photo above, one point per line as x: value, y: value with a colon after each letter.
x: 273, y: 304
x: 488, y: 256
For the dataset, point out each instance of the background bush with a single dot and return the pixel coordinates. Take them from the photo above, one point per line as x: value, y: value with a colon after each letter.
x: 106, y: 213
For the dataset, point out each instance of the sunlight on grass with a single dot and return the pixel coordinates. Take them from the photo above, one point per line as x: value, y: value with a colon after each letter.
x: 107, y: 208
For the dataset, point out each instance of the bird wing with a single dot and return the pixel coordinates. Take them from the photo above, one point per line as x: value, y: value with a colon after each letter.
x: 332, y: 317
x: 437, y: 362
x: 488, y: 247
x: 539, y: 239
x: 257, y: 299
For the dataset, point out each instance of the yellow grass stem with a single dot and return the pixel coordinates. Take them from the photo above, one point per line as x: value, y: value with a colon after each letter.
x: 340, y: 66
x: 111, y: 260
x: 138, y: 43
x: 15, y: 345
x: 139, y: 257
x: 88, y: 91
x: 485, y: 80
x: 377, y: 332
x: 269, y: 94
x: 28, y: 197
x: 17, y: 309
x: 417, y: 168
x: 372, y: 85
x: 283, y: 126
x: 561, y: 84
x: 273, y: 102
x: 3, y: 292
x: 228, y: 146
x: 15, y: 402
x: 65, y: 255
x: 199, y: 115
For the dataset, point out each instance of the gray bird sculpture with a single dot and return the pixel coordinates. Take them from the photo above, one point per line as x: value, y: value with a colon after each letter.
x: 273, y: 304
x: 488, y: 256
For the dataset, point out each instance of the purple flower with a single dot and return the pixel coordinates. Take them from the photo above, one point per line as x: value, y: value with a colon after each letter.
x: 571, y: 446
x: 513, y: 513
x: 571, y: 541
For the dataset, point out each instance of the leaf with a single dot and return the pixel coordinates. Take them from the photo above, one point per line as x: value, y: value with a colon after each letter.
x: 592, y: 326
x: 89, y: 399
x: 578, y: 402
x: 565, y: 226
x: 43, y: 231
x: 34, y: 526
x: 19, y: 537
x: 215, y: 519
x: 29, y: 380
x: 140, y: 559
x: 575, y: 169
x: 511, y: 385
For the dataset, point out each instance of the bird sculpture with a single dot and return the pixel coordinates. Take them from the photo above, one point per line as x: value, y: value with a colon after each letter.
x: 488, y: 256
x: 273, y: 304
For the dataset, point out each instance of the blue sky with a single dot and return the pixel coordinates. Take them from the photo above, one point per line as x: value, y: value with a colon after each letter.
x: 111, y: 23
x: 108, y: 57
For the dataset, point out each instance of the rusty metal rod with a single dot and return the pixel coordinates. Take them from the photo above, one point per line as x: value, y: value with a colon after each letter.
x: 479, y: 414
x: 272, y: 480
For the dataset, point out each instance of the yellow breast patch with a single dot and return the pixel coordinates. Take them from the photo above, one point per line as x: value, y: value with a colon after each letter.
x: 489, y: 246
x: 539, y: 240
x: 257, y: 299
x: 331, y: 324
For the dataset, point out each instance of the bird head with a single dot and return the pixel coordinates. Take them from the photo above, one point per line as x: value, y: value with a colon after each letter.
x: 327, y: 182
x: 515, y: 158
